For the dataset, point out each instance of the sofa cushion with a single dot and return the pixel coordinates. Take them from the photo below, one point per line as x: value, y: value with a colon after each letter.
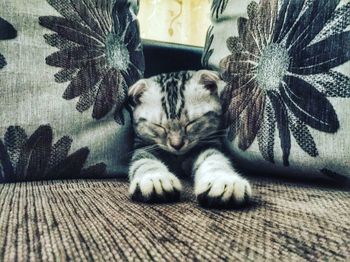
x: 287, y: 72
x: 95, y: 220
x: 63, y: 84
x: 170, y: 57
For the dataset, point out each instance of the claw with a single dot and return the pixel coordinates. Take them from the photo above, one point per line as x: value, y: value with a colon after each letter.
x: 156, y: 188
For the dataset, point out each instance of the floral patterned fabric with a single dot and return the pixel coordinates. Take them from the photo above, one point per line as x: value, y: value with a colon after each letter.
x: 35, y: 158
x: 101, y: 55
x: 286, y: 68
x: 68, y: 67
x: 6, y: 32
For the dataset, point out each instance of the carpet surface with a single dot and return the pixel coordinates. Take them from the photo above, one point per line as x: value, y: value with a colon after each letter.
x: 93, y: 220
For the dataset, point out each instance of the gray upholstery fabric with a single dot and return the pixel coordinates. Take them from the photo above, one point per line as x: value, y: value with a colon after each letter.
x: 63, y: 82
x: 287, y: 68
x: 94, y: 220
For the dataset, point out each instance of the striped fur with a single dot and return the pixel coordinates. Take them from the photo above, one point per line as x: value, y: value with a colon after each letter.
x: 172, y: 88
x: 177, y: 124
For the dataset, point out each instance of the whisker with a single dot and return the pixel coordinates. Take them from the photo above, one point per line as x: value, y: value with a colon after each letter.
x: 146, y: 148
x: 214, y: 136
x: 209, y: 139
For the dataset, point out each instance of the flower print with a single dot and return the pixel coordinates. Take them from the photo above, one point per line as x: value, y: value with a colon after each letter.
x: 100, y: 52
x: 35, y: 158
x: 7, y: 31
x: 280, y: 73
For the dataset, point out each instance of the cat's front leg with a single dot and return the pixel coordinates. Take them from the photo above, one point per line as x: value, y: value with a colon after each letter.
x: 217, y: 183
x: 150, y: 179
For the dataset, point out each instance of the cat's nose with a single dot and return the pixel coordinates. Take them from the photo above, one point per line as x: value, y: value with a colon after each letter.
x: 177, y: 145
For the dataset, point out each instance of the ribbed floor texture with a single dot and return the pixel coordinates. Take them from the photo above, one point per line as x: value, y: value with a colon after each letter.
x: 94, y: 220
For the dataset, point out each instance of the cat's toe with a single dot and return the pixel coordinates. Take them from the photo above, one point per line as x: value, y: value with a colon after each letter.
x: 156, y: 188
x: 224, y: 192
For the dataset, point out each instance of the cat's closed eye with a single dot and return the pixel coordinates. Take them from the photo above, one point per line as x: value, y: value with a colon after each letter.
x: 196, y: 125
x: 189, y: 125
x: 159, y: 128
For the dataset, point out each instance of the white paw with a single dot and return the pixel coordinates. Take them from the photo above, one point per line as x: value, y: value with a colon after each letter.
x: 158, y: 186
x: 222, y: 190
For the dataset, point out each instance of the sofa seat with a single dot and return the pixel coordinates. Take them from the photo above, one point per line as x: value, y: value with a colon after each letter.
x: 95, y: 220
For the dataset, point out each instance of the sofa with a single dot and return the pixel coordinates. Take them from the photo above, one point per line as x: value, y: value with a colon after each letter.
x: 288, y: 219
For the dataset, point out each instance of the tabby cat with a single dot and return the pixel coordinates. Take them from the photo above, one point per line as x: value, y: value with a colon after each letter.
x: 178, y: 131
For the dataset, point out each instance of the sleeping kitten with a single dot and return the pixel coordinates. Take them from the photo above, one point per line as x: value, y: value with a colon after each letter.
x: 177, y: 124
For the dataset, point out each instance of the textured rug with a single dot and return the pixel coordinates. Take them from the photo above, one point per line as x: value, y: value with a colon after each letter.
x: 84, y: 220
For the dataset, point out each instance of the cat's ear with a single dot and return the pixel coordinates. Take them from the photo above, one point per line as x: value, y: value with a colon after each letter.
x: 209, y: 79
x: 135, y: 92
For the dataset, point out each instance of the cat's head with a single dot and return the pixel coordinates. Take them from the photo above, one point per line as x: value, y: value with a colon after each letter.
x: 176, y: 111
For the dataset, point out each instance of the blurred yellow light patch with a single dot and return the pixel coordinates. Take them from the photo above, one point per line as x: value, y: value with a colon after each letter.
x: 176, y: 21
